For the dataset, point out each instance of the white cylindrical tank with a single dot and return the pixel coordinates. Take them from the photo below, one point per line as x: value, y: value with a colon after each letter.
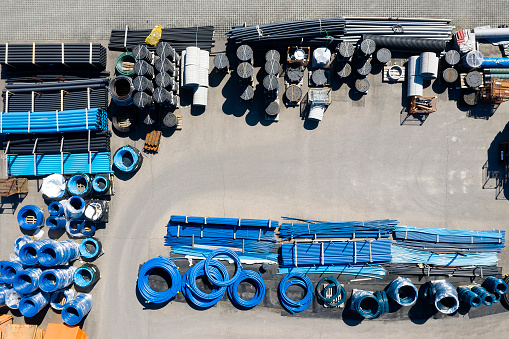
x: 429, y: 65
x: 200, y: 96
x: 316, y: 112
x: 414, y: 86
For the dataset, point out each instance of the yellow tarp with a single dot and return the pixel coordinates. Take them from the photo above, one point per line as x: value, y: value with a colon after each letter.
x: 154, y: 36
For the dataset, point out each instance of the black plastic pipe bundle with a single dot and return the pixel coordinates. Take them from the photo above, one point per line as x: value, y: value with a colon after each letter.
x: 54, y: 55
x: 410, y: 27
x: 51, y: 100
x: 178, y: 38
x: 55, y: 143
x: 55, y: 85
x: 288, y: 31
x: 459, y: 271
x: 16, y: 75
x: 408, y: 44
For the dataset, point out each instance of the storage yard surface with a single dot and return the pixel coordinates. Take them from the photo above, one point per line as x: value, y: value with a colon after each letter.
x: 363, y: 161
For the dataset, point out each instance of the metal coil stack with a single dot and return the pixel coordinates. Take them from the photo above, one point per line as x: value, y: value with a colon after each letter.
x: 164, y: 50
x: 121, y: 89
x: 142, y: 84
x: 143, y: 68
x: 221, y: 62
x: 141, y: 52
x: 248, y: 93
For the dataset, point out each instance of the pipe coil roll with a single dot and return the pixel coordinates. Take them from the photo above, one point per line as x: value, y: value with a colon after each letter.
x: 29, y: 253
x: 148, y: 293
x: 75, y: 207
x: 408, y: 44
x: 487, y: 298
x: 73, y: 227
x: 55, y: 279
x: 59, y: 298
x: 294, y: 306
x: 494, y: 284
x: 9, y: 271
x: 87, y: 275
x: 19, y: 242
x: 90, y: 249
x: 444, y: 296
x: 119, y: 159
x: 3, y: 293
x: 55, y: 253
x: 469, y: 297
x: 12, y: 299
x: 191, y: 291
x: 29, y: 306
x: 257, y: 280
x: 27, y: 281
x: 87, y: 228
x: 124, y: 57
x: 75, y: 309
x: 366, y: 304
x: 403, y: 291
x: 100, y: 184
x: 26, y: 211
x: 72, y: 185
x: 56, y: 209
x: 337, y: 298
x: 55, y: 223
x: 233, y: 256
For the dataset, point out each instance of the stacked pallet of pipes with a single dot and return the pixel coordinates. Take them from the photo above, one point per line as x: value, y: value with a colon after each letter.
x: 252, y: 239
x: 195, y: 73
x: 147, y: 82
x: 59, y: 97
x: 40, y: 273
x: 351, y: 247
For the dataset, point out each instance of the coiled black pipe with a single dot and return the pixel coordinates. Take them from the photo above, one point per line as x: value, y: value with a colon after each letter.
x: 408, y: 44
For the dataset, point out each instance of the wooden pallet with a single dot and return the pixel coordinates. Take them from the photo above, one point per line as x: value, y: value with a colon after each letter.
x: 179, y: 121
x: 13, y: 186
x: 152, y: 141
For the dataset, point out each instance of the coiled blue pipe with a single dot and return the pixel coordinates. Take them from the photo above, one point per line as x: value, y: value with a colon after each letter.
x: 494, y: 284
x: 55, y: 253
x: 257, y: 280
x: 72, y: 185
x: 3, y: 293
x: 75, y: 207
x: 486, y: 297
x: 233, y: 256
x: 337, y: 298
x: 27, y: 210
x: 56, y: 208
x: 148, y: 293
x: 87, y: 228
x: 496, y: 296
x: 75, y: 309
x: 28, y: 253
x: 191, y: 291
x: 382, y: 301
x: 56, y: 222
x: 84, y: 252
x: 55, y: 279
x: 294, y: 306
x: 59, y: 298
x: 9, y: 271
x: 19, y: 242
x: 469, y: 297
x: 119, y: 162
x: 73, y: 227
x: 445, y: 296
x: 366, y: 304
x: 100, y: 184
x: 29, y: 306
x: 12, y: 299
x: 27, y: 281
x: 403, y: 291
x: 84, y: 276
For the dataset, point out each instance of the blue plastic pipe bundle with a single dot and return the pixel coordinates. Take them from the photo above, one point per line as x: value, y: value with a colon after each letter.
x: 256, y: 279
x: 495, y: 62
x: 19, y: 242
x: 147, y: 292
x: 55, y: 279
x: 54, y: 253
x: 77, y: 308
x: 494, y: 284
x: 336, y: 253
x: 428, y: 237
x: 30, y: 305
x: 444, y: 296
x: 79, y: 120
x: 249, y: 236
x: 30, y: 210
x: 9, y: 271
x: 3, y: 293
x: 377, y: 272
x: 345, y: 229
x: 486, y: 297
x: 27, y: 280
x: 39, y: 164
x: 403, y: 291
x: 298, y: 279
x: 468, y: 296
x: 404, y: 255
